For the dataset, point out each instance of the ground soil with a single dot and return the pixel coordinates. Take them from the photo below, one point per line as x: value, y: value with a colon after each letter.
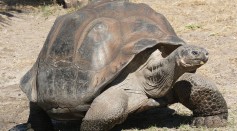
x: 207, y: 23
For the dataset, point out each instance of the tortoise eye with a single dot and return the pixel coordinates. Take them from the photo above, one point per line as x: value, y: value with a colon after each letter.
x: 194, y: 52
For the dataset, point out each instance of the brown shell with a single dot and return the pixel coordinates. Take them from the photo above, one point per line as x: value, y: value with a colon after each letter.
x: 87, y: 49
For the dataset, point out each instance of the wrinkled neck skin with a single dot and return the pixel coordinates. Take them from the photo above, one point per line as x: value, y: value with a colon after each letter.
x: 158, y: 75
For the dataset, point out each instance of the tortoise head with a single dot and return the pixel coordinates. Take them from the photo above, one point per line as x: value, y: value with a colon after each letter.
x: 191, y: 57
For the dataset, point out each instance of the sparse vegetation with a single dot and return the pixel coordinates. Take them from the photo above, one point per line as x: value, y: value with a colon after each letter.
x: 47, y: 10
x: 193, y: 26
x: 208, y: 23
x: 51, y: 10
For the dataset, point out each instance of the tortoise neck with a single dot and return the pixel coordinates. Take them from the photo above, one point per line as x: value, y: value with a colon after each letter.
x: 159, y: 75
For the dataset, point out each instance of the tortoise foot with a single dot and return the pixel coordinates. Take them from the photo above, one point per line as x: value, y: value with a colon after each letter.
x: 22, y: 127
x: 211, y: 121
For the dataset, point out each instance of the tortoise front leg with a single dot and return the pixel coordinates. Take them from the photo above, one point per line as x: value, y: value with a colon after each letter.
x: 203, y: 98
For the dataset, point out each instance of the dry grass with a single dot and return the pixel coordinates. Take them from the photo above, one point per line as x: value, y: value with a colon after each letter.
x: 214, y: 16
x: 208, y: 23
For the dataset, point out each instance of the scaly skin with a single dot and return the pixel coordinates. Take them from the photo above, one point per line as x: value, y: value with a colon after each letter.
x: 203, y: 98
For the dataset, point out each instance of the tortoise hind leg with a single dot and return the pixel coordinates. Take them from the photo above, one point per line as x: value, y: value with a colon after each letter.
x: 203, y: 98
x: 38, y: 119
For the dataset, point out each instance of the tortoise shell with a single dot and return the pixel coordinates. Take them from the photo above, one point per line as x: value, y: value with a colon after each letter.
x: 87, y: 49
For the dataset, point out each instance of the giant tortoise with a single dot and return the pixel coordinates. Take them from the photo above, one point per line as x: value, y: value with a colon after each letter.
x: 113, y: 58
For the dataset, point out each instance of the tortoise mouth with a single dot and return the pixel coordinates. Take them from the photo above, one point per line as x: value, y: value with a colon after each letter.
x: 192, y: 62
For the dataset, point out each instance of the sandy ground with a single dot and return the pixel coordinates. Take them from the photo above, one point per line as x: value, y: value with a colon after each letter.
x: 207, y: 23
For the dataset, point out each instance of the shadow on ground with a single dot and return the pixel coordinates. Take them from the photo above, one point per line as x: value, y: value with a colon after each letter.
x: 162, y: 117
x: 7, y: 14
x: 35, y: 3
x: 9, y: 7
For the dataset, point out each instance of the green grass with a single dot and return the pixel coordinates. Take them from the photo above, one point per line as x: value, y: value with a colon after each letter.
x: 193, y: 26
x: 47, y: 10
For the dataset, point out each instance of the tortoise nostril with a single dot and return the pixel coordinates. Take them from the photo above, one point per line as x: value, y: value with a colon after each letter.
x: 206, y: 59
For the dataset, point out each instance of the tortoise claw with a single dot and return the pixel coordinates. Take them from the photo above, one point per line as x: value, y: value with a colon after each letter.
x: 210, y: 121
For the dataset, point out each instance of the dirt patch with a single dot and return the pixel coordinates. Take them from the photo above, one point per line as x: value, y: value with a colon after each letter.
x: 208, y: 23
